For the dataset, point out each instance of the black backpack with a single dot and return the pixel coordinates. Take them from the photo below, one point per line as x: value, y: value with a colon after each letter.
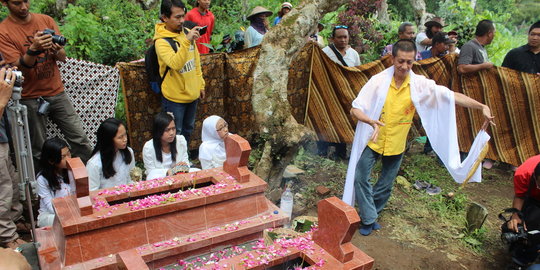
x: 152, y: 66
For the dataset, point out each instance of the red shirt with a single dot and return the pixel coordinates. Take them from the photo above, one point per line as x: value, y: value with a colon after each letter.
x: 523, y: 176
x: 202, y: 20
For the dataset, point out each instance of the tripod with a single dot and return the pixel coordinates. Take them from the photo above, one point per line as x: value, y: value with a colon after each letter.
x: 18, y: 119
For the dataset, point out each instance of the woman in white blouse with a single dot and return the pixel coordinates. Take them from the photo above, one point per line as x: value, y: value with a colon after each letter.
x: 165, y: 149
x: 52, y: 180
x: 212, y: 150
x: 112, y: 159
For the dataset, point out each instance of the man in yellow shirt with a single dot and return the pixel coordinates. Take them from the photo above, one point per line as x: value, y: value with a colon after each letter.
x: 183, y: 84
x: 385, y: 108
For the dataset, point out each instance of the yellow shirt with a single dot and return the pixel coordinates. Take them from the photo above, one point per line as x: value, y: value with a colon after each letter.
x: 397, y: 115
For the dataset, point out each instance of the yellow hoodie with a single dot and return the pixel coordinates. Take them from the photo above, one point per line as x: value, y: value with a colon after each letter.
x: 184, y: 81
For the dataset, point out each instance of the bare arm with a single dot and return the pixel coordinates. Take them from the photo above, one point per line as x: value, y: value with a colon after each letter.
x: 515, y: 220
x: 426, y: 41
x: 467, y: 102
x: 470, y: 68
x: 361, y: 116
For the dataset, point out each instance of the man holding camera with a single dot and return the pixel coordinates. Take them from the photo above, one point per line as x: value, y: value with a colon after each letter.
x: 183, y: 84
x: 10, y: 206
x: 27, y: 41
x: 527, y: 202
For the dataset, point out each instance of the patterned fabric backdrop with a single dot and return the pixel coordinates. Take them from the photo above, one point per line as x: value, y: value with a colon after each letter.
x: 321, y: 92
x: 92, y: 89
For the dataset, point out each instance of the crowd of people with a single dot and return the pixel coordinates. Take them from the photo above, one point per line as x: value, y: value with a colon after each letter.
x: 384, y: 109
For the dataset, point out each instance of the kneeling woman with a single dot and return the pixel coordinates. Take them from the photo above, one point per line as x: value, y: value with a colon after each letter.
x: 112, y: 159
x: 166, y: 149
x: 53, y: 181
x: 212, y: 150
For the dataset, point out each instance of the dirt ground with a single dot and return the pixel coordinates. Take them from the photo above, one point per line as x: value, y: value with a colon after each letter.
x: 411, y: 239
x: 390, y: 253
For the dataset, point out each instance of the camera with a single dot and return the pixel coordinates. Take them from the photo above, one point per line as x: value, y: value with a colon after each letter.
x: 17, y: 85
x: 58, y: 39
x: 43, y: 106
x: 510, y: 237
x: 202, y: 30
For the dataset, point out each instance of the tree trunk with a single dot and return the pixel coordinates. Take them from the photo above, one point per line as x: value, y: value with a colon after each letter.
x: 382, y: 13
x: 61, y: 5
x: 272, y: 109
x: 148, y: 4
x: 420, y: 14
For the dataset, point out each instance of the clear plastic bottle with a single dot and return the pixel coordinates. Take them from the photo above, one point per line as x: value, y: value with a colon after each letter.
x: 286, y: 205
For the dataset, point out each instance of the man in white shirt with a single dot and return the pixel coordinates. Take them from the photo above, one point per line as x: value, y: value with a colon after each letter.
x: 423, y: 39
x: 340, y: 51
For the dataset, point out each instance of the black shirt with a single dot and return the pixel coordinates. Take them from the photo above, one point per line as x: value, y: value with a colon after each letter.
x: 522, y: 59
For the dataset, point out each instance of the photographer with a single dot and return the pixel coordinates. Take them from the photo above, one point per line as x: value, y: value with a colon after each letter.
x: 33, y: 43
x: 10, y: 206
x: 527, y: 201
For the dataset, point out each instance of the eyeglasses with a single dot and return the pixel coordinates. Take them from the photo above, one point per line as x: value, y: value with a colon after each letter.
x: 341, y: 27
x: 223, y: 127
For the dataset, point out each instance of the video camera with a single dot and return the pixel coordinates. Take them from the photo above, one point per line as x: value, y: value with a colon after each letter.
x: 58, y: 39
x: 511, y: 237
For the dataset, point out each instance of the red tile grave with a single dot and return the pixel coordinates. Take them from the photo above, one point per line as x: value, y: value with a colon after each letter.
x: 153, y: 223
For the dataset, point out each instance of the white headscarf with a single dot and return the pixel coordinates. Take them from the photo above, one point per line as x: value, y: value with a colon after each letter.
x: 212, y: 145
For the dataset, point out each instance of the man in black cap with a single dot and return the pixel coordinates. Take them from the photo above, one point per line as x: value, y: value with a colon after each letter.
x: 423, y: 40
x: 440, y: 46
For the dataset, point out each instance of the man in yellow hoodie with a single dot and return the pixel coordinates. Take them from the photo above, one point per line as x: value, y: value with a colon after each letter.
x: 184, y: 83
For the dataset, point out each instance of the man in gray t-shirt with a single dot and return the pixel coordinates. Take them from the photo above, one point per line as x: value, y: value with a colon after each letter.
x: 473, y: 56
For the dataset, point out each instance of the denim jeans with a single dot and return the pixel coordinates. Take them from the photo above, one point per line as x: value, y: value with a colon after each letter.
x: 372, y: 199
x: 184, y: 116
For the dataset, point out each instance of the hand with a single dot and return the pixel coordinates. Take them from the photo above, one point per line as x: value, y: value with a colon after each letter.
x: 488, y: 65
x: 41, y: 42
x: 55, y: 48
x: 193, y: 33
x: 203, y: 93
x: 169, y: 172
x: 7, y: 79
x: 513, y: 223
x: 375, y: 124
x: 487, y: 115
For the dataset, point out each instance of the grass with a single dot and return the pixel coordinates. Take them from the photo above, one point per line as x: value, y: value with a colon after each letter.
x: 412, y: 216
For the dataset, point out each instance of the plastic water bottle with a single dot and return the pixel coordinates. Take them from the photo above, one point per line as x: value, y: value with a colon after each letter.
x: 286, y: 205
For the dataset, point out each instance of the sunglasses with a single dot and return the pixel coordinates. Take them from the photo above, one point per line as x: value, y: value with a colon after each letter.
x: 341, y: 27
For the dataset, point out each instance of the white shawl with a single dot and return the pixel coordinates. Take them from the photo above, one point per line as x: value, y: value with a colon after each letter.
x: 435, y: 105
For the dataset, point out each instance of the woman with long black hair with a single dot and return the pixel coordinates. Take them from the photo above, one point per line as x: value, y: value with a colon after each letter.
x: 52, y: 180
x: 112, y: 159
x: 165, y: 149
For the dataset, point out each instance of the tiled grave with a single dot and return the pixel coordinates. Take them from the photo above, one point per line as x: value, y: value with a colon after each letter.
x: 156, y: 223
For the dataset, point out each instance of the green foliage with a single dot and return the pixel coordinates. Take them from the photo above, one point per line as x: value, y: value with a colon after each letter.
x: 460, y: 16
x: 82, y: 30
x: 476, y: 239
x: 115, y: 30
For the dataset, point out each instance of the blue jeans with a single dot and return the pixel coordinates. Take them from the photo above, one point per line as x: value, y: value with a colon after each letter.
x: 534, y: 267
x: 184, y: 116
x: 372, y: 199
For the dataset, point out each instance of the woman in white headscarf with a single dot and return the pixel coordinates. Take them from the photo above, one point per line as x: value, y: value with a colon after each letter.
x: 212, y: 150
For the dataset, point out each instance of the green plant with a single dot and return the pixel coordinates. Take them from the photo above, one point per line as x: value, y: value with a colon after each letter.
x: 82, y: 30
x: 476, y: 239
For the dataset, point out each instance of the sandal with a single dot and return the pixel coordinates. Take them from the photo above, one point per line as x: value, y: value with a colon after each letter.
x: 420, y: 184
x: 433, y: 190
x: 15, y: 243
